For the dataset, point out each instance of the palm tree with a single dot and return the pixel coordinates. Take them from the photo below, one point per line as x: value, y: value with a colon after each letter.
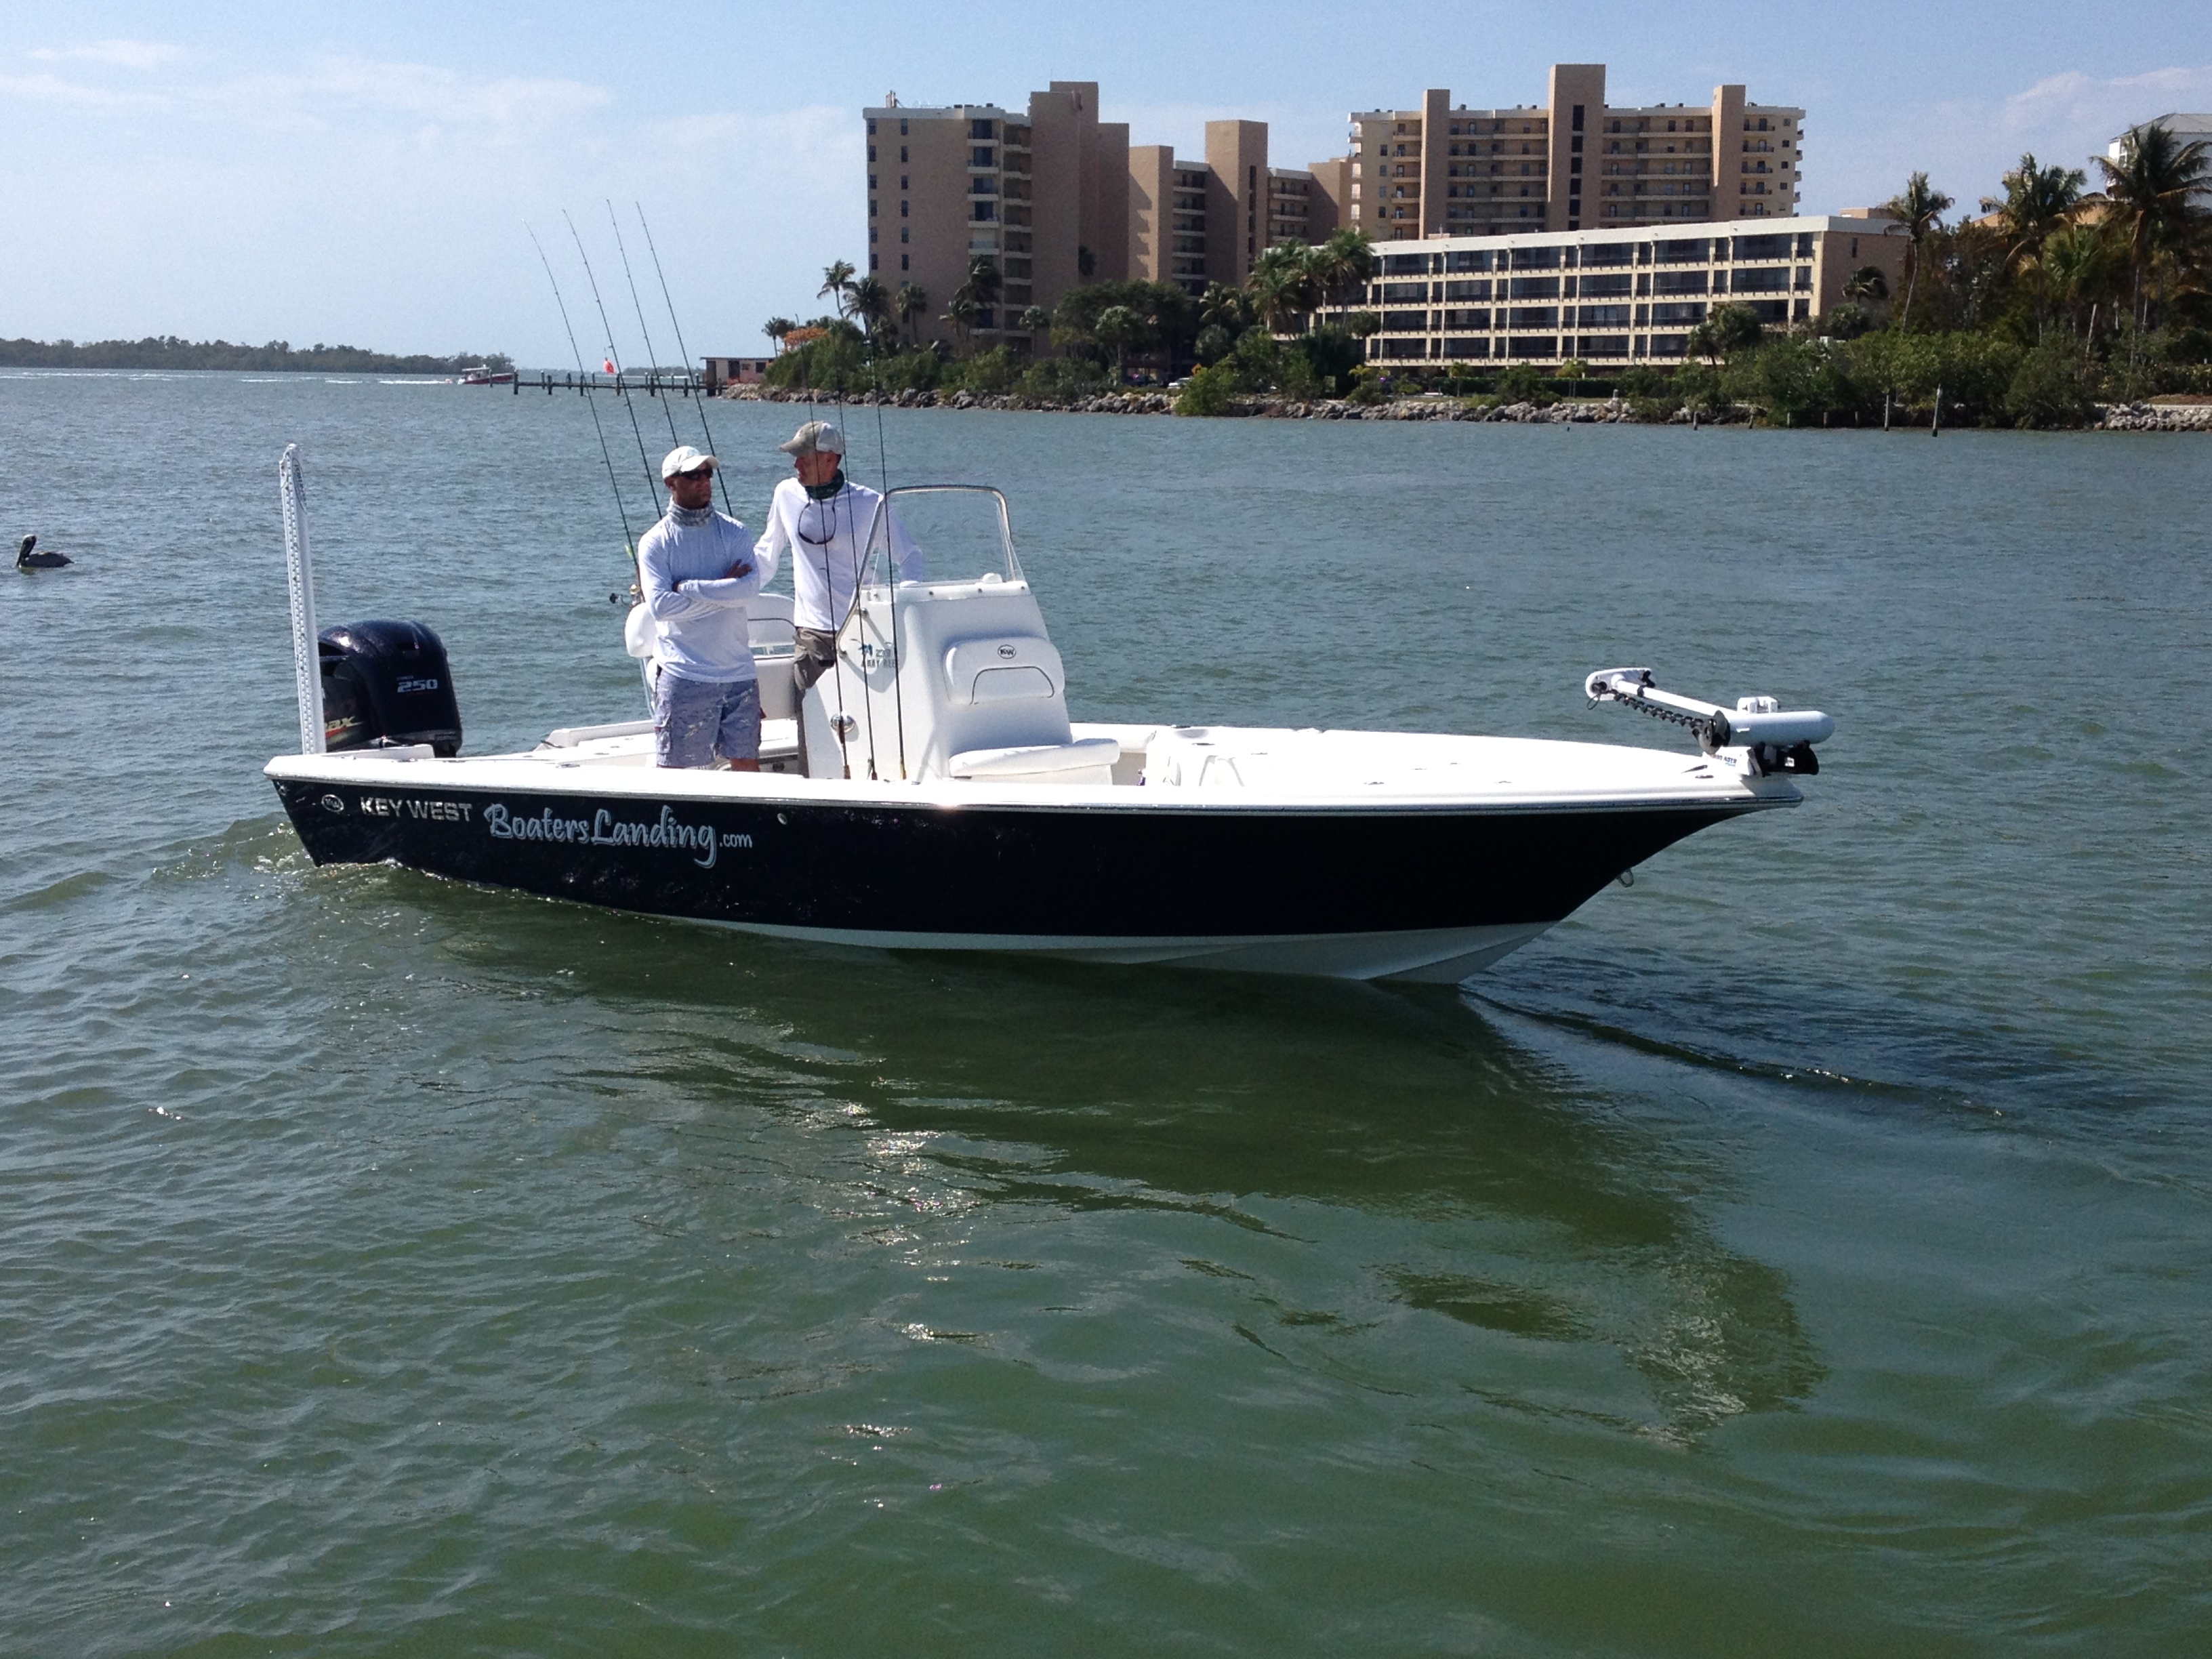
x: 837, y: 279
x: 909, y: 303
x: 1866, y: 287
x: 869, y: 303
x: 2076, y: 262
x: 1117, y: 328
x: 1727, y: 329
x: 983, y: 281
x: 2036, y: 200
x: 2146, y: 195
x: 1284, y: 286
x: 1919, y: 208
x: 1223, y: 306
x: 776, y: 327
x: 1343, y: 266
x: 961, y: 313
x: 1035, y: 320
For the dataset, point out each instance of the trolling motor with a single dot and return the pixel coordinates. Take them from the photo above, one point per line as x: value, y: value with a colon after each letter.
x: 1772, y: 739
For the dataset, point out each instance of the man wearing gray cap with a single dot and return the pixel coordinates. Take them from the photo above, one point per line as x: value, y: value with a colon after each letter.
x: 697, y: 580
x: 823, y: 519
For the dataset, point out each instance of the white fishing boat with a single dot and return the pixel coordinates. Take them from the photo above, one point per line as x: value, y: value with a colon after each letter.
x: 949, y: 802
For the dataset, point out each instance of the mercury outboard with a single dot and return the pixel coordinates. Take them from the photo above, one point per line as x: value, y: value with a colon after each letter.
x: 386, y: 684
x: 27, y: 560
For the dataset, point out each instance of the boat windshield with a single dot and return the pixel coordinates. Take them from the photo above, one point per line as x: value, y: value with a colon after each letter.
x: 962, y: 531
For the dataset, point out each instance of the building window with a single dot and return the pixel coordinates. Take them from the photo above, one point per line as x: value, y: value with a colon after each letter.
x: 872, y: 133
x: 905, y: 234
x: 901, y: 134
x: 903, y: 209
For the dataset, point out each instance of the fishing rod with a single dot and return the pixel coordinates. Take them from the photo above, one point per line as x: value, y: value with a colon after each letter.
x: 683, y: 348
x: 606, y: 454
x: 612, y: 357
x: 651, y: 357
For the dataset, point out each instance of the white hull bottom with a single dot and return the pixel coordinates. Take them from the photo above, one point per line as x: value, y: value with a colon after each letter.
x: 1438, y: 956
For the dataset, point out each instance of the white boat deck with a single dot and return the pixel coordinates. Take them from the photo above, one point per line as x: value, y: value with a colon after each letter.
x: 1210, y: 769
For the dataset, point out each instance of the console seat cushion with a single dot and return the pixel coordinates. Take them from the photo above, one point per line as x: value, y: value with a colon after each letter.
x: 1047, y: 763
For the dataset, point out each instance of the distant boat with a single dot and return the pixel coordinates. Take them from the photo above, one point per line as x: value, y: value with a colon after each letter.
x: 484, y: 375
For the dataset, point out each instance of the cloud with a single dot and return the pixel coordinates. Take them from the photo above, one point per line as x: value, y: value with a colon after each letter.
x: 2083, y: 104
x: 341, y: 91
x: 53, y: 89
x: 120, y: 54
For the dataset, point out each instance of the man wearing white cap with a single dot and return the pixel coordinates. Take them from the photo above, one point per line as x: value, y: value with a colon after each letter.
x: 823, y: 519
x: 696, y: 579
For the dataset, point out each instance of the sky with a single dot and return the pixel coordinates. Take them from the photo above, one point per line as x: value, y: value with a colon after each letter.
x: 370, y: 175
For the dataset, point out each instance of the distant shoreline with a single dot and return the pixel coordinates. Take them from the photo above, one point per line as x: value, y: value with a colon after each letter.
x: 165, y: 353
x: 2116, y: 417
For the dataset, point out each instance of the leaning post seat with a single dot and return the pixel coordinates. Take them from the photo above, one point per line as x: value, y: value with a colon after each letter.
x: 978, y: 685
x: 774, y: 637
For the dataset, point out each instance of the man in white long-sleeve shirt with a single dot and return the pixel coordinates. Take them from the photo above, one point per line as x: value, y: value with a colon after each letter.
x: 696, y: 579
x: 822, y: 520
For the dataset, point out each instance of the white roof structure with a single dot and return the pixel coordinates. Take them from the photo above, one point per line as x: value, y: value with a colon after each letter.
x: 2188, y: 129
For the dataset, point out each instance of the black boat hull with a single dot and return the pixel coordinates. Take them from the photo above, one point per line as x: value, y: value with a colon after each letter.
x: 1415, y: 891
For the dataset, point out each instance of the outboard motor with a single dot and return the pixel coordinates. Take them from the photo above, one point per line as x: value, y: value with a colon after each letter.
x: 386, y: 684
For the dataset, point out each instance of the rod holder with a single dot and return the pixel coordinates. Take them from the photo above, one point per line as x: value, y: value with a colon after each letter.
x: 299, y: 571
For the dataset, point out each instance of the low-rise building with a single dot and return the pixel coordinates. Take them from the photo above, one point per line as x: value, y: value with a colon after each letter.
x: 734, y: 371
x: 1611, y: 299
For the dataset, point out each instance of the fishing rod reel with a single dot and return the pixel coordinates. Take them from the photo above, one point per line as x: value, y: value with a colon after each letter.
x: 1768, y: 736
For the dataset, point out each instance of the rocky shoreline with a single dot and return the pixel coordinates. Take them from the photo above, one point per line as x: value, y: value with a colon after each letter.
x: 2118, y: 417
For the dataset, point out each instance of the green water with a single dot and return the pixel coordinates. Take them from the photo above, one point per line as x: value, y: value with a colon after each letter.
x: 1803, y: 1252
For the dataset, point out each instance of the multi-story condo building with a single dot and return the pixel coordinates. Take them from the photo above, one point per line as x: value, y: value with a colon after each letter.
x: 1195, y: 222
x: 1043, y: 193
x: 1575, y: 160
x: 1056, y: 197
x: 1612, y: 297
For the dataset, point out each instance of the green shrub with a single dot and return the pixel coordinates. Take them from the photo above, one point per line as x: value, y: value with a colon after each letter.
x: 1366, y: 386
x: 992, y: 371
x: 2050, y: 388
x: 1209, y: 391
x: 1524, y: 383
x: 1061, y: 380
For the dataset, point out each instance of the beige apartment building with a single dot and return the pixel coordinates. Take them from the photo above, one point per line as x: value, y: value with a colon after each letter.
x: 1044, y: 192
x: 1195, y: 222
x: 1612, y: 298
x: 1572, y: 161
x: 1058, y: 197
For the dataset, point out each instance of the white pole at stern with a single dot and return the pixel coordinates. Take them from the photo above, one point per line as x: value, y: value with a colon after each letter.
x: 307, y: 655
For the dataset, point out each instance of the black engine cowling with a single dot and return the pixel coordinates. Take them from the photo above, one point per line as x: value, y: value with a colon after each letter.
x: 387, y: 682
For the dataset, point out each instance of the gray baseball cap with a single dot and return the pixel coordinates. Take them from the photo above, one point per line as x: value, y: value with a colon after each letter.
x: 816, y: 436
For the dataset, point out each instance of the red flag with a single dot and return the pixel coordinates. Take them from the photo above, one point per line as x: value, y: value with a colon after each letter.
x: 611, y: 366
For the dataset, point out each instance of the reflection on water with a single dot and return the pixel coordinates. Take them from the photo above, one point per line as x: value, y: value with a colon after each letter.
x: 1383, y: 1130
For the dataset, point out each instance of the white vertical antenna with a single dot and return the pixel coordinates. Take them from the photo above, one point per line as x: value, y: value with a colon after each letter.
x: 307, y: 653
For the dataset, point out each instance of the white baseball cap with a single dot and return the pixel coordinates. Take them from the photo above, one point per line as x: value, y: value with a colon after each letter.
x: 815, y: 437
x: 685, y: 460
